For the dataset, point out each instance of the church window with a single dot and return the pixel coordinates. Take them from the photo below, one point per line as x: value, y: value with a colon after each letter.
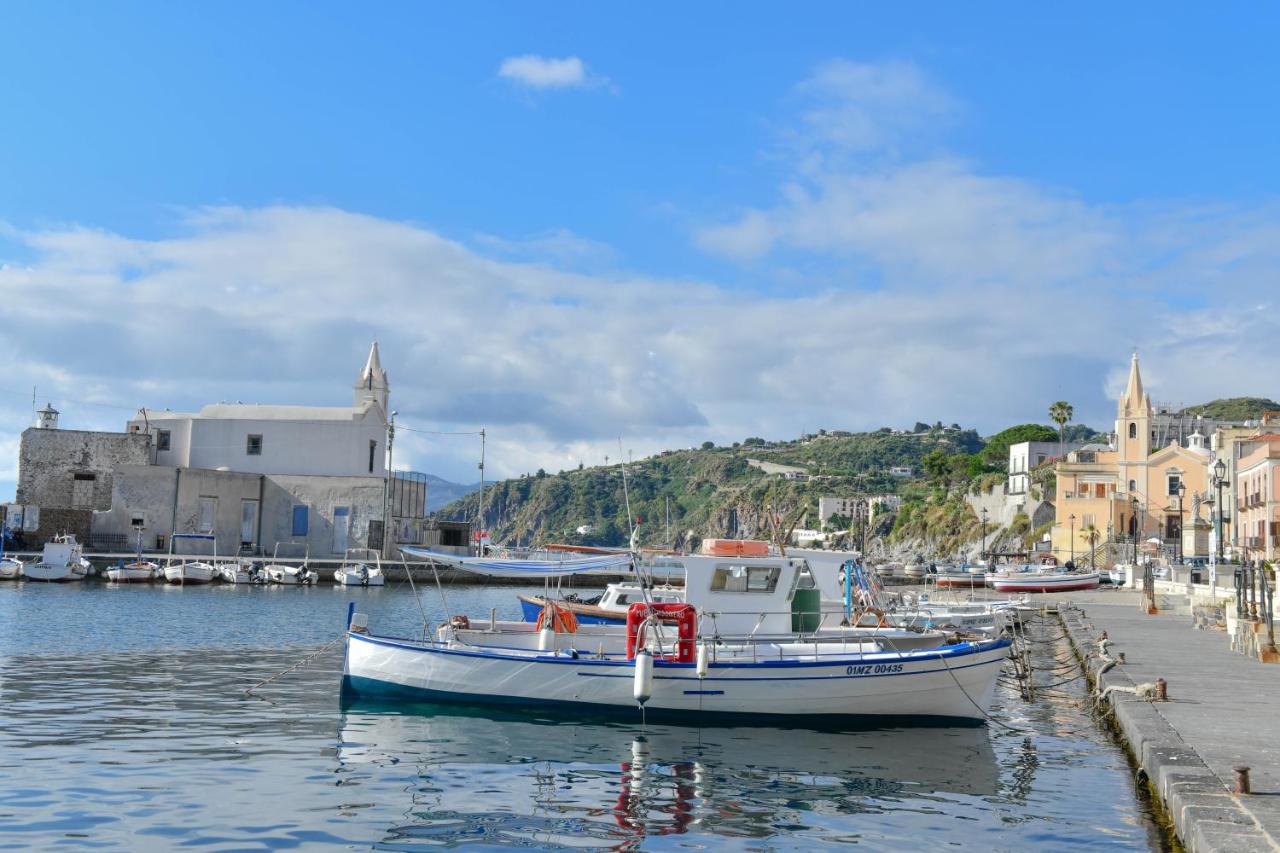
x: 1133, y: 486
x: 253, y: 445
x: 373, y: 449
x: 162, y: 439
x: 1175, y: 481
x: 1133, y: 430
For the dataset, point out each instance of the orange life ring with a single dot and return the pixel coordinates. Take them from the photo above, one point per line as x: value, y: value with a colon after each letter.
x: 562, y: 619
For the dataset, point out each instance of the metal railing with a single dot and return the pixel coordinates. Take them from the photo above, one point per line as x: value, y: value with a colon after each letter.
x: 1253, y: 594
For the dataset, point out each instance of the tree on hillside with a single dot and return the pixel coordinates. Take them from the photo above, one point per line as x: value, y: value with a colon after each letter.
x: 708, y: 445
x: 997, y: 450
x: 1060, y: 413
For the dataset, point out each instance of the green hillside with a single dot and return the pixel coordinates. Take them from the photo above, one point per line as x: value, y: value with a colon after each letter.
x: 1235, y: 408
x: 711, y: 491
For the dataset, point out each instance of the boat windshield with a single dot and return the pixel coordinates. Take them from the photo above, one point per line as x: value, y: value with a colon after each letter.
x: 738, y: 578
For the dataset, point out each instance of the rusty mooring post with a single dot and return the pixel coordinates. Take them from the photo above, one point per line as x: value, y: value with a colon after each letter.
x: 1162, y: 690
x: 1243, y: 786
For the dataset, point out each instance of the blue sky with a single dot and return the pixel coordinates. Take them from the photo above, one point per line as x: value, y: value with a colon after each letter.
x: 935, y: 182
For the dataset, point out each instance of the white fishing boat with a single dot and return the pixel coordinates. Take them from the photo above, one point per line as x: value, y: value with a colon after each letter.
x: 138, y: 571
x: 960, y: 579
x: 1119, y: 574
x: 732, y: 648
x: 287, y: 575
x: 1047, y: 581
x: 362, y: 567
x: 60, y: 562
x: 193, y: 571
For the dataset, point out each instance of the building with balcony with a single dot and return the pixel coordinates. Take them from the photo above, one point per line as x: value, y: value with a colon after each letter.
x: 1257, y: 497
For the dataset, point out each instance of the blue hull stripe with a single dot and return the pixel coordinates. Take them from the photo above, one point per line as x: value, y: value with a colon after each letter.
x: 947, y: 652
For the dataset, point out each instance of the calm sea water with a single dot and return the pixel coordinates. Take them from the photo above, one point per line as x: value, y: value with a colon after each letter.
x: 126, y: 727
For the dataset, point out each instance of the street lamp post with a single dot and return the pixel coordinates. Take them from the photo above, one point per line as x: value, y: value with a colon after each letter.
x: 1220, y: 480
x: 984, y: 533
x: 1137, y: 530
x: 1072, y: 519
x: 1182, y: 503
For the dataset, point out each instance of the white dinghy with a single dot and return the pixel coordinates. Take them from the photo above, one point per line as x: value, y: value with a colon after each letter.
x: 10, y: 567
x: 732, y: 648
x: 60, y: 562
x: 194, y: 571
x: 287, y: 575
x: 362, y: 567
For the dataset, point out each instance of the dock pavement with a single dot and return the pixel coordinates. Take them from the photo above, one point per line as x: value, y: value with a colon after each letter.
x: 1222, y: 712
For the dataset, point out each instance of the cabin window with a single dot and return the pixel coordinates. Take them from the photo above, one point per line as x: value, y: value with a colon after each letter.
x: 804, y: 579
x: 162, y: 439
x: 738, y: 578
x: 623, y: 599
x: 253, y: 445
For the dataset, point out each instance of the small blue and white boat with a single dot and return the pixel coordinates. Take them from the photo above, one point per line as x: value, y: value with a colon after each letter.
x: 736, y: 647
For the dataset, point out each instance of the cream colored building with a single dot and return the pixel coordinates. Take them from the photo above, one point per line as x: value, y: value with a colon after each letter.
x: 1129, y: 489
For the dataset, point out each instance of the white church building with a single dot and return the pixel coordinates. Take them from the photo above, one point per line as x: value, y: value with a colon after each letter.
x: 310, y: 478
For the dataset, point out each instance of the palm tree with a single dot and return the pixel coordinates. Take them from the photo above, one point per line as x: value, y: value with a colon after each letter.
x: 1061, y: 413
x: 1092, y: 535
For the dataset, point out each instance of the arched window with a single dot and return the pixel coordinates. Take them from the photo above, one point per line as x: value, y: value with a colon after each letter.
x: 1133, y: 486
x: 1133, y: 430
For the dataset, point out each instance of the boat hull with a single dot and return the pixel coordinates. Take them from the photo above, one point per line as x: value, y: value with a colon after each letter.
x: 967, y: 580
x: 10, y: 569
x: 189, y: 573
x: 131, y: 575
x: 1048, y: 583
x: 954, y: 683
x: 47, y: 573
x: 347, y: 578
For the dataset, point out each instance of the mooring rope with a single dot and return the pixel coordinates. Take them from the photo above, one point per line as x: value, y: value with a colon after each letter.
x: 299, y: 664
x: 981, y: 710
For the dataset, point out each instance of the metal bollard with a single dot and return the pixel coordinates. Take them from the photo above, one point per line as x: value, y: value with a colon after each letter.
x: 1243, y: 785
x: 1162, y: 690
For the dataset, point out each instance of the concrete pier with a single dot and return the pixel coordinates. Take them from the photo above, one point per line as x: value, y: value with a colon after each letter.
x: 1220, y: 715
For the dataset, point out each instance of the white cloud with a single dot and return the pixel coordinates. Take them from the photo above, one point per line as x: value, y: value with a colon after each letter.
x: 278, y: 305
x: 542, y: 72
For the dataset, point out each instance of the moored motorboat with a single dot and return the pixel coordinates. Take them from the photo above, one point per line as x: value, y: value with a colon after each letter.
x: 609, y: 608
x: 289, y: 575
x: 193, y: 571
x: 362, y: 567
x: 1044, y: 582
x: 10, y: 568
x: 60, y: 562
x: 138, y: 571
x: 242, y: 571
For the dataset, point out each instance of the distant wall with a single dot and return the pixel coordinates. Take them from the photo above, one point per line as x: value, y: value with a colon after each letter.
x: 263, y: 506
x: 73, y: 468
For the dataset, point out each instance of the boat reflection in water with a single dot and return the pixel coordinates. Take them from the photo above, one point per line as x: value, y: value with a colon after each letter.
x: 488, y: 778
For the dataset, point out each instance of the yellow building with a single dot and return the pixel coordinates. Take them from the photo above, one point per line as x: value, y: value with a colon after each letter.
x: 1126, y: 489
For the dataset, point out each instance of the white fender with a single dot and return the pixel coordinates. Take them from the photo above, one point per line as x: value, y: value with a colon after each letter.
x: 546, y: 640
x: 642, y: 689
x: 703, y: 660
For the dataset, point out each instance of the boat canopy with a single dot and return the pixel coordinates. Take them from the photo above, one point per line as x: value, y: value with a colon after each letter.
x: 551, y: 568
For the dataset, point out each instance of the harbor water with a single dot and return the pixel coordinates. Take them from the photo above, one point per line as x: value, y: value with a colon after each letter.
x: 127, y: 727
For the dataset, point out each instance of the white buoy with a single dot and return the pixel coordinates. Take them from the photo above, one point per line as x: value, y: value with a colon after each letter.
x: 642, y: 689
x: 703, y: 660
x: 546, y: 640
